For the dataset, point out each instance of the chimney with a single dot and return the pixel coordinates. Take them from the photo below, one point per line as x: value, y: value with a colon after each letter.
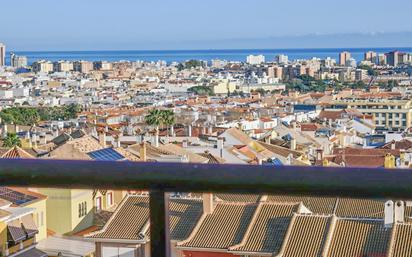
x: 293, y: 144
x: 55, y: 133
x: 388, y: 220
x: 5, y: 130
x: 399, y: 211
x: 117, y: 142
x: 156, y: 140
x: 208, y: 204
x: 143, y: 153
x: 43, y: 140
x: 34, y: 140
x: 17, y: 129
x: 289, y: 159
x: 220, y: 142
x: 102, y: 139
x: 319, y: 154
x: 189, y: 131
x: 210, y: 132
x: 172, y: 131
x: 393, y: 145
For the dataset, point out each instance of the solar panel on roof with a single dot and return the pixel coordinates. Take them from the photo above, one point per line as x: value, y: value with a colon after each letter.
x: 277, y: 162
x: 14, y: 196
x: 107, y: 154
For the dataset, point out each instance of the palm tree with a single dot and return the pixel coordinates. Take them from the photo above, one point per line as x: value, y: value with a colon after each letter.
x: 168, y: 119
x: 157, y: 118
x: 11, y: 140
x: 154, y: 118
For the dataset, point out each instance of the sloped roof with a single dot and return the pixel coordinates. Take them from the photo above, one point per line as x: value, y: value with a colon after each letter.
x: 177, y: 150
x: 308, y: 236
x: 402, y: 246
x: 131, y: 219
x: 318, y: 205
x: 354, y: 238
x: 245, y: 198
x: 368, y: 208
x: 271, y: 225
x: 224, y: 227
x: 213, y: 159
x: 16, y: 153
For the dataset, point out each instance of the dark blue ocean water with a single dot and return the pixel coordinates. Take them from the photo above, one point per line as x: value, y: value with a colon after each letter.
x: 207, y: 55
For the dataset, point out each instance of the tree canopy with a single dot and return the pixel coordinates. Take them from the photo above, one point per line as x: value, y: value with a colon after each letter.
x: 11, y: 140
x: 32, y: 115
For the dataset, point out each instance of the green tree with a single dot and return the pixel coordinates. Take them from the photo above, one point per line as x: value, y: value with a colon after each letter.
x: 168, y: 118
x: 154, y: 119
x: 201, y: 90
x: 11, y: 140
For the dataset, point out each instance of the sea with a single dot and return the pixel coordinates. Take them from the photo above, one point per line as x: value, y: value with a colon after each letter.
x: 205, y: 55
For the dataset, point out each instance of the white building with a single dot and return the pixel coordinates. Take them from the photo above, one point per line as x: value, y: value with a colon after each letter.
x: 18, y: 61
x: 281, y: 59
x: 255, y: 59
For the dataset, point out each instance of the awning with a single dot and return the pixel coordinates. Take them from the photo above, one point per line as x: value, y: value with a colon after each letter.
x: 29, y: 225
x: 32, y: 253
x: 16, y: 231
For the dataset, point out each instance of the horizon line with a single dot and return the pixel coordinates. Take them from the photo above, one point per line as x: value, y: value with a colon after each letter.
x: 215, y: 49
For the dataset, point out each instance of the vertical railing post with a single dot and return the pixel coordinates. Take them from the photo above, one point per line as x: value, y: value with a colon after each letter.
x: 159, y: 224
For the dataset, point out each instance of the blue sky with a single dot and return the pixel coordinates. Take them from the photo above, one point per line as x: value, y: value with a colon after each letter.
x: 194, y: 24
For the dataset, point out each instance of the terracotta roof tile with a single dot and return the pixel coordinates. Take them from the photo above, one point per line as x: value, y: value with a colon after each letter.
x: 354, y: 238
x: 223, y: 228
x: 269, y: 230
x: 308, y: 236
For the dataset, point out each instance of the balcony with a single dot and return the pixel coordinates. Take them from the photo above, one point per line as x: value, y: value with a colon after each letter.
x: 21, y: 246
x: 159, y: 178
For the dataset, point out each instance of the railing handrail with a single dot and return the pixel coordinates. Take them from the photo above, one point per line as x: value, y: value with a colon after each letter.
x: 184, y: 177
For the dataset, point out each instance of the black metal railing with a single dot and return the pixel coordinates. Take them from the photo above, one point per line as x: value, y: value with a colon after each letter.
x: 160, y: 178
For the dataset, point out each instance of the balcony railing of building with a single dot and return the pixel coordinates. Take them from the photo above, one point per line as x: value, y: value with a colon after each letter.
x: 160, y: 178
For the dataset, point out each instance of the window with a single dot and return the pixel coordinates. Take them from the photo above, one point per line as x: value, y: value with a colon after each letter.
x: 82, y: 209
x: 109, y: 199
x: 98, y: 203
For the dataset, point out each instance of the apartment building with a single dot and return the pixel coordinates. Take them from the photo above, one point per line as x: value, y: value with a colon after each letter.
x: 83, y: 66
x: 255, y: 59
x: 2, y: 55
x: 63, y: 66
x: 343, y: 58
x: 18, y: 61
x: 388, y: 114
x: 42, y: 66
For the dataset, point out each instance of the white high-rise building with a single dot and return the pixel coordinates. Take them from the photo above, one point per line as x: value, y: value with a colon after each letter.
x: 281, y: 59
x: 2, y: 55
x: 255, y: 59
x: 18, y: 61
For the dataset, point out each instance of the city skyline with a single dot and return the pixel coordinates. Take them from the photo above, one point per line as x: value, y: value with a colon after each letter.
x: 161, y: 25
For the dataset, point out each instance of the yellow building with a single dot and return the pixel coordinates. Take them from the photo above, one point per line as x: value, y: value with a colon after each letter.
x: 68, y: 210
x: 17, y: 230
x: 223, y: 86
x: 107, y: 199
x: 21, y: 197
